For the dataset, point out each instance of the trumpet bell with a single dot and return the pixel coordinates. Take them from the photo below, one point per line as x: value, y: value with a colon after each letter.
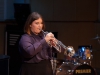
x: 69, y: 51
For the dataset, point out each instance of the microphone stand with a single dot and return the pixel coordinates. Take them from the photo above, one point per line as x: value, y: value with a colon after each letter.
x: 54, y: 61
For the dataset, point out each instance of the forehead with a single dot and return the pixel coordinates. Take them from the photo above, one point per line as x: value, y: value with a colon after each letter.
x: 38, y: 20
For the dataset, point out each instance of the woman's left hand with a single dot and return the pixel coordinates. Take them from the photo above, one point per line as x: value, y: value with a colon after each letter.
x: 53, y: 42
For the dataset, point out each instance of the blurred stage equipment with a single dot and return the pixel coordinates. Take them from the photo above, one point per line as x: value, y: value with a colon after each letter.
x: 84, y: 54
x: 76, y: 63
x: 68, y: 68
x: 97, y: 38
x: 4, y: 64
x: 12, y: 36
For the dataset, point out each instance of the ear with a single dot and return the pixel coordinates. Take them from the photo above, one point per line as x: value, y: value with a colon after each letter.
x: 30, y: 25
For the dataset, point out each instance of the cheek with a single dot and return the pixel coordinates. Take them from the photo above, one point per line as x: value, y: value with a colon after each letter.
x: 32, y: 26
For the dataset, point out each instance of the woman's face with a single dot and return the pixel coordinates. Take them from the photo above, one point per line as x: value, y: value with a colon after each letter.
x: 37, y: 26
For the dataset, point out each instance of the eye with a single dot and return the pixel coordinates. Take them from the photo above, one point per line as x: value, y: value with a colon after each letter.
x: 37, y: 23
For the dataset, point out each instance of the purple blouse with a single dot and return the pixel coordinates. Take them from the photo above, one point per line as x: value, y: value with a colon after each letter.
x: 33, y: 48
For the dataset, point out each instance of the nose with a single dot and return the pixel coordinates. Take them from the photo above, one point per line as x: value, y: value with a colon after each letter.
x: 40, y: 25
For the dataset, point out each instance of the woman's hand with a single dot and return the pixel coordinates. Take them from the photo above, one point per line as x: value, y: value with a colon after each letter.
x: 54, y: 42
x: 49, y: 37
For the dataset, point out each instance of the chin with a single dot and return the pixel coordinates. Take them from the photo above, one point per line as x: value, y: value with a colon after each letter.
x: 38, y: 32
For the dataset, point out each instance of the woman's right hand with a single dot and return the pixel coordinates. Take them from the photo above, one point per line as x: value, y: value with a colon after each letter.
x: 49, y: 37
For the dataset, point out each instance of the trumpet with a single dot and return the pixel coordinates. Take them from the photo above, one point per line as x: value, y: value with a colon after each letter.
x: 57, y: 45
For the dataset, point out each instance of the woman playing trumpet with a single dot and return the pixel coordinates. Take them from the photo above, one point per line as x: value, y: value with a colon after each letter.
x: 35, y: 47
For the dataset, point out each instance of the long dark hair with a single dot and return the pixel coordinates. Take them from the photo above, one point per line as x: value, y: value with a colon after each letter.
x: 32, y: 17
